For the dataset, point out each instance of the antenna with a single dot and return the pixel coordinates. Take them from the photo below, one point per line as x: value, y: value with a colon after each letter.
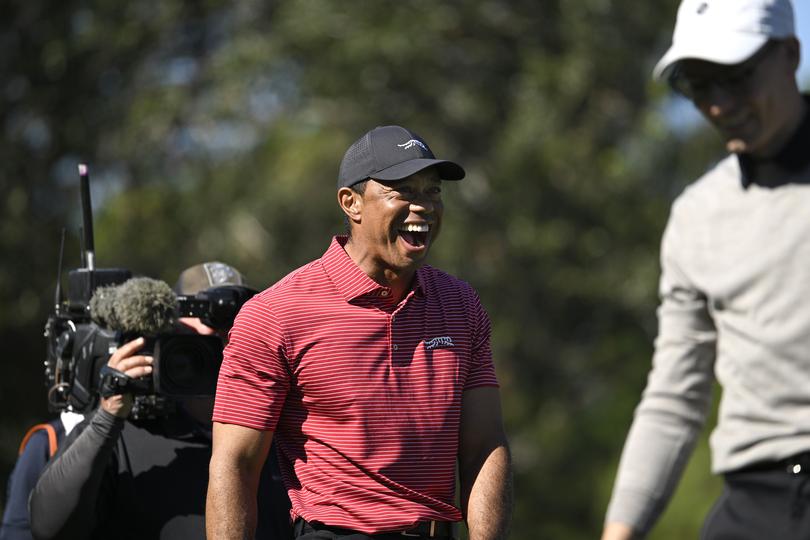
x: 87, y: 218
x: 58, y: 294
x: 81, y: 246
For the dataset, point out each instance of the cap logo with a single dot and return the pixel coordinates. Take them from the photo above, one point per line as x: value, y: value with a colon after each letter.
x: 413, y: 142
x: 219, y: 273
x: 702, y: 8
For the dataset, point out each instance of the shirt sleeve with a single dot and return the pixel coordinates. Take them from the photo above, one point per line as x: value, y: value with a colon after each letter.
x: 677, y: 397
x: 482, y: 369
x: 73, y: 492
x: 255, y: 377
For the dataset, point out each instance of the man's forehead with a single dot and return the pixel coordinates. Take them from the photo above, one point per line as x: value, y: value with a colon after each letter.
x: 693, y: 67
x: 703, y: 68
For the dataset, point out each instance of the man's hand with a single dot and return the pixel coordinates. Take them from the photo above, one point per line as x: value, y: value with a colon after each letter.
x: 617, y: 531
x: 133, y: 365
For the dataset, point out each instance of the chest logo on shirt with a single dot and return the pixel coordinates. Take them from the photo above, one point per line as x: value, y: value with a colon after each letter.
x: 443, y: 342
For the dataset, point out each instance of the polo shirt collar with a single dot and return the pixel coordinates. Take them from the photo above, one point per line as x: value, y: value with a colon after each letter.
x: 350, y: 280
x: 792, y: 159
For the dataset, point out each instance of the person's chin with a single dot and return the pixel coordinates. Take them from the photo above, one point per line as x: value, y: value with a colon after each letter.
x: 741, y: 140
x: 758, y: 147
x: 412, y: 261
x: 736, y: 145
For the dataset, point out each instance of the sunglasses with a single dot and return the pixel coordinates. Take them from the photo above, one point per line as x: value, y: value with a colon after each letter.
x: 734, y: 80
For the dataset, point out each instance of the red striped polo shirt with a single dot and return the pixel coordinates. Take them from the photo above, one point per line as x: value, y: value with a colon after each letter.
x: 363, y: 393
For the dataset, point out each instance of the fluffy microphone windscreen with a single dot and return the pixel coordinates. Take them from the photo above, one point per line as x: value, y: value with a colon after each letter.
x: 102, y: 307
x: 141, y: 306
x: 145, y: 306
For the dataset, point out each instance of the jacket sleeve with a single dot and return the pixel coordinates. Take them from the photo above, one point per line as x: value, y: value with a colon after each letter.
x: 678, y: 395
x: 69, y: 496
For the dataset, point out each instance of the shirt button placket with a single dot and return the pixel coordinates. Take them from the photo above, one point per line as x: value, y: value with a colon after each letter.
x: 391, y: 344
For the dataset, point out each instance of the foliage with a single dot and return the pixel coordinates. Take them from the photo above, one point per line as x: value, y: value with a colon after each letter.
x: 214, y: 131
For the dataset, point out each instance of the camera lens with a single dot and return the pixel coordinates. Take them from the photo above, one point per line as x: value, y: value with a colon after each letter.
x: 183, y: 367
x: 187, y: 365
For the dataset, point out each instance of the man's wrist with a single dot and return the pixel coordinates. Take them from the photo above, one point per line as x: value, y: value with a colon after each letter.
x: 618, y: 531
x: 106, y: 424
x: 118, y: 405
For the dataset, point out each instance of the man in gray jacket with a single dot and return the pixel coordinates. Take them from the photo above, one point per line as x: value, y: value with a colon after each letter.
x: 735, y: 288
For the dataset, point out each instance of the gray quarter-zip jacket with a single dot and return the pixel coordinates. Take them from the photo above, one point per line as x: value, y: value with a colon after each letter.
x: 735, y: 307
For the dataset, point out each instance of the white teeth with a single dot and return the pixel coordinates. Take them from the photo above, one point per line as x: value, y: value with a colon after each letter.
x: 413, y: 227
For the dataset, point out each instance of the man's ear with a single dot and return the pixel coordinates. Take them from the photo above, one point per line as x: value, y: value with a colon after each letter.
x: 351, y: 203
x: 794, y: 52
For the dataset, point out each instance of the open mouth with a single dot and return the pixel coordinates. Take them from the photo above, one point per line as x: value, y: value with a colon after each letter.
x: 415, y: 234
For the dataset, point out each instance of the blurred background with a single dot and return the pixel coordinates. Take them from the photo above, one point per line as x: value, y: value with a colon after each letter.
x: 214, y: 130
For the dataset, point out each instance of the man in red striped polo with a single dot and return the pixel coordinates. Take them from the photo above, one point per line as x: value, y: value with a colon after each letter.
x: 371, y: 371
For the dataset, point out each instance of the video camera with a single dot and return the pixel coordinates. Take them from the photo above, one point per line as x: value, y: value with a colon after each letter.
x: 105, y: 308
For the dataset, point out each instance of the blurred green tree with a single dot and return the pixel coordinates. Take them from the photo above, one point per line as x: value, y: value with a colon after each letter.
x: 214, y: 131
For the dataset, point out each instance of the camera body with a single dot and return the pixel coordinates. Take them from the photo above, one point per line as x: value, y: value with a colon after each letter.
x: 79, y: 344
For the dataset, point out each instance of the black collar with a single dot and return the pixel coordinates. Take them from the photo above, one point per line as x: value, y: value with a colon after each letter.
x: 793, y: 158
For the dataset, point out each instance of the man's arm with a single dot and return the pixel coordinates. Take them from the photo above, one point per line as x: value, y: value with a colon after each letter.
x: 65, y: 501
x: 237, y: 459
x: 677, y: 398
x: 485, y: 466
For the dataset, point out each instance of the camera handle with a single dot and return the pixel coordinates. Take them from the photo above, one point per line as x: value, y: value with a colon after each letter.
x: 114, y: 382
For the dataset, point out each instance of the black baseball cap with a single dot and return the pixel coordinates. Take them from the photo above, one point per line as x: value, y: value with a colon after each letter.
x: 391, y: 153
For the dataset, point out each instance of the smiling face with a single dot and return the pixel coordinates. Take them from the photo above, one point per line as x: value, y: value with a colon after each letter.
x: 753, y: 104
x: 393, y: 224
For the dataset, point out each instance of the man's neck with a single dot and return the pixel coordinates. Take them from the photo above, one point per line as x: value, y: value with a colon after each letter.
x: 398, y: 280
x: 788, y: 131
x: 790, y: 158
x: 400, y: 283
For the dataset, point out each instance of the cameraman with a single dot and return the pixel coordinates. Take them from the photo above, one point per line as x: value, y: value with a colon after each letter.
x: 116, y: 477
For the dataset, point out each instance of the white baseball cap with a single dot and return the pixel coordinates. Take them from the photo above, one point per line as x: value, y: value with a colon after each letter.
x: 725, y: 31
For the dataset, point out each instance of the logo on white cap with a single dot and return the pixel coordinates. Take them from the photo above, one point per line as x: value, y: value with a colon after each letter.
x: 411, y: 143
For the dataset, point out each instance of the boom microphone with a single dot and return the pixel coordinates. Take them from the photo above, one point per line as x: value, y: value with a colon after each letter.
x: 141, y: 306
